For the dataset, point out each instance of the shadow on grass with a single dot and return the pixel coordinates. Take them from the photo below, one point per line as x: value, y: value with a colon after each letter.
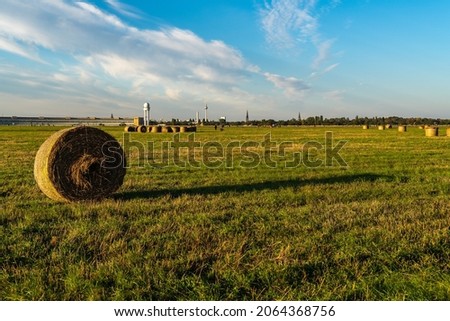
x: 250, y: 187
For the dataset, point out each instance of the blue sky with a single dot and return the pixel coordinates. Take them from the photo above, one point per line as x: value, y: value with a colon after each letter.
x: 274, y: 58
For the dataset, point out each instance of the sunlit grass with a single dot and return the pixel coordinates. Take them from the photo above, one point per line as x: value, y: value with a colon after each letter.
x: 378, y: 229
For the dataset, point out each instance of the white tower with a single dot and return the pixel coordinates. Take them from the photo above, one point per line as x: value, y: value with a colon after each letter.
x: 146, y: 114
x: 197, y: 118
x: 206, y: 113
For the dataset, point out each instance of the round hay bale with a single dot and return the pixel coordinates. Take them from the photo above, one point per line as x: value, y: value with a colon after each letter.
x: 156, y: 129
x: 448, y: 131
x: 191, y: 129
x: 183, y: 129
x: 365, y: 127
x: 149, y: 129
x: 421, y: 127
x: 402, y: 128
x: 129, y: 129
x: 166, y: 129
x: 81, y: 163
x: 175, y: 129
x: 141, y: 129
x: 388, y: 126
x: 381, y: 127
x: 431, y: 132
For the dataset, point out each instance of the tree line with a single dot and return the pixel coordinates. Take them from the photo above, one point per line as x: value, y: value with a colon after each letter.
x: 322, y: 121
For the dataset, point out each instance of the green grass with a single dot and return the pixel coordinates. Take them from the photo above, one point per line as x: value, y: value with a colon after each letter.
x: 378, y: 229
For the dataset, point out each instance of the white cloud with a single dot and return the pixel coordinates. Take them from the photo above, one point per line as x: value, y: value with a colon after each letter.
x: 98, y: 49
x: 173, y: 93
x: 123, y: 9
x: 13, y: 47
x: 334, y: 95
x: 286, y: 22
x: 316, y: 74
x: 94, y: 58
x: 294, y: 24
x: 323, y: 52
x: 111, y: 20
x: 292, y: 87
x: 330, y: 68
x: 118, y: 66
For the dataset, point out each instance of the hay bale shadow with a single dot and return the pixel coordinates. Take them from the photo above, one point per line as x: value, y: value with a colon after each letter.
x: 251, y: 187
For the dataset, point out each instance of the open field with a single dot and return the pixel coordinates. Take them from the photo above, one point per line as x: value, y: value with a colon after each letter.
x: 376, y: 229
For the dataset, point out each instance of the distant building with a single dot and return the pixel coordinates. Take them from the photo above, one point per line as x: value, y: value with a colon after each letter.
x: 65, y: 121
x: 146, y: 114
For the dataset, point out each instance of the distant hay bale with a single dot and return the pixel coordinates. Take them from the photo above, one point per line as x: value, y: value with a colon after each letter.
x: 129, y: 129
x: 156, y: 129
x: 149, y: 129
x: 448, y: 132
x: 388, y: 126
x: 175, y: 129
x: 402, y: 128
x: 365, y: 127
x: 141, y: 129
x: 431, y: 132
x: 186, y: 129
x: 421, y: 127
x: 381, y: 127
x: 166, y: 129
x: 81, y: 163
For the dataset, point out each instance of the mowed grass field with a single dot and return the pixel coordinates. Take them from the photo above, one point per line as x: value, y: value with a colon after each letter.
x: 376, y: 229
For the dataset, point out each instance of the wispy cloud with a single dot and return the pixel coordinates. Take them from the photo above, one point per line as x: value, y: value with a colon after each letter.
x: 15, y: 48
x: 292, y: 87
x: 330, y: 68
x: 110, y: 19
x: 124, y: 9
x: 334, y: 95
x: 323, y: 52
x: 286, y: 22
x: 316, y: 74
x: 293, y: 24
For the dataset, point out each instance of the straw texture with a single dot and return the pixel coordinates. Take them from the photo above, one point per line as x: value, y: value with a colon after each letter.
x: 81, y: 163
